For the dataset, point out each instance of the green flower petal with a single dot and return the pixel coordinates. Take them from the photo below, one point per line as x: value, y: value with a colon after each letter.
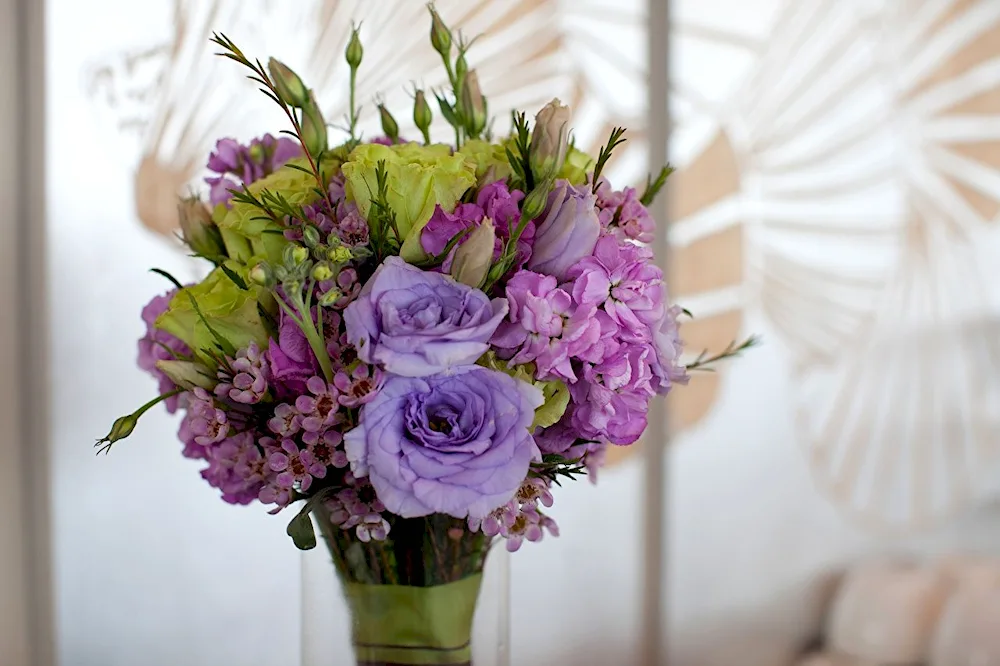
x: 419, y: 178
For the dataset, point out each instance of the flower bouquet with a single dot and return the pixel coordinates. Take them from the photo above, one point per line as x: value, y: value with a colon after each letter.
x: 412, y: 341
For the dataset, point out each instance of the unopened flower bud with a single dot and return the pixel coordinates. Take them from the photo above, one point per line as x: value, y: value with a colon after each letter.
x: 280, y: 273
x: 473, y: 105
x: 354, y: 51
x: 120, y: 429
x: 329, y: 298
x: 422, y: 116
x: 290, y: 88
x: 187, y: 374
x: 339, y: 254
x: 461, y: 68
x: 262, y: 275
x: 389, y: 126
x: 322, y: 272
x: 474, y: 256
x: 534, y: 204
x: 549, y: 140
x: 311, y: 236
x: 440, y: 34
x: 313, y: 127
x: 299, y: 254
x: 198, y: 230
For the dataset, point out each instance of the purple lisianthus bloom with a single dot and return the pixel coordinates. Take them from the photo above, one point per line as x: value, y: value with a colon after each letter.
x: 545, y: 326
x: 443, y: 227
x: 159, y: 345
x: 567, y: 231
x: 455, y: 443
x: 623, y: 280
x: 417, y: 323
x: 501, y: 205
x: 290, y: 359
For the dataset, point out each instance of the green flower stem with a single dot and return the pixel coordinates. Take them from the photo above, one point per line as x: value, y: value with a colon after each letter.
x: 303, y: 319
x: 354, y: 112
x: 155, y: 401
x: 454, y: 89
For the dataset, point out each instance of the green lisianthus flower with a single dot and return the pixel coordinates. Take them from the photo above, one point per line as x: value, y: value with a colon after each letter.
x: 230, y: 311
x: 555, y: 392
x: 418, y: 178
x: 485, y: 156
x: 246, y: 229
x: 576, y: 167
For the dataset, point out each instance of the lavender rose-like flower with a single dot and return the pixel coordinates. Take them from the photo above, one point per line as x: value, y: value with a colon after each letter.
x: 417, y: 323
x: 455, y: 443
x: 568, y: 231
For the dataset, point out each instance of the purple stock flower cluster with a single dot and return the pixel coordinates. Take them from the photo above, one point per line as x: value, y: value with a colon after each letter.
x: 601, y: 325
x: 247, y: 164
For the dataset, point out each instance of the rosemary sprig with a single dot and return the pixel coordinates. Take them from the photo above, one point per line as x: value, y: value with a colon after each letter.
x: 614, y: 141
x: 704, y: 361
x: 653, y: 187
x: 261, y: 77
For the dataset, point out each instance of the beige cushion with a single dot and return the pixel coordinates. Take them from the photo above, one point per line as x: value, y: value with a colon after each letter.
x: 886, y: 612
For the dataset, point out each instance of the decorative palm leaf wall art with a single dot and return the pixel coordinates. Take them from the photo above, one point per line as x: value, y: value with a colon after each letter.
x: 860, y: 159
x: 909, y: 436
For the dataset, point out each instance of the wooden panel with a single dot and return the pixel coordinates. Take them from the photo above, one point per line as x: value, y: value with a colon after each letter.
x: 14, y: 608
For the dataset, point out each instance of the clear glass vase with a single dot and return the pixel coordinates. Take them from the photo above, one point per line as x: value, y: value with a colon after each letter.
x: 432, y: 593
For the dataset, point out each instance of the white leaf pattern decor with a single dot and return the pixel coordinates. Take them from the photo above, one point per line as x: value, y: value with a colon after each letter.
x: 847, y: 185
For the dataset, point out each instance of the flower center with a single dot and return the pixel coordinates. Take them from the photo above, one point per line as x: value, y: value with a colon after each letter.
x: 325, y: 405
x: 361, y: 388
x: 322, y: 452
x: 520, y: 523
x: 298, y: 469
x: 439, y: 424
x: 527, y: 493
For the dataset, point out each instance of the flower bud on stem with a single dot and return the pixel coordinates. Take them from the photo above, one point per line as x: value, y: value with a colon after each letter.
x: 314, y: 137
x: 422, y: 115
x: 353, y: 55
x: 473, y: 106
x: 389, y: 126
x: 288, y: 85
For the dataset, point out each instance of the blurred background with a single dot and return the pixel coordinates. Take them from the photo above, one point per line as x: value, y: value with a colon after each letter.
x: 830, y: 499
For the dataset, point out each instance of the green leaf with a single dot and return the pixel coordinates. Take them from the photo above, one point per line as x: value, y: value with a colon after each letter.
x: 301, y: 529
x: 160, y: 271
x: 237, y: 280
